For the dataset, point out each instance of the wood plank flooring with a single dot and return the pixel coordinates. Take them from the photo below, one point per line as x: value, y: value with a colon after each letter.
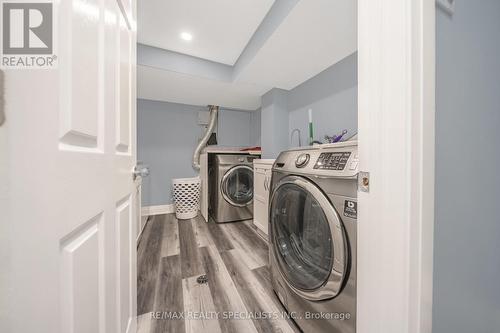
x: 173, y: 253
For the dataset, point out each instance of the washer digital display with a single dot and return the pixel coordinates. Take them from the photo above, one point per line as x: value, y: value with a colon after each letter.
x: 332, y: 161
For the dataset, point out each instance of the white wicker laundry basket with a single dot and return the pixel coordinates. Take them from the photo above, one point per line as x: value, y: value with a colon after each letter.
x: 186, y: 197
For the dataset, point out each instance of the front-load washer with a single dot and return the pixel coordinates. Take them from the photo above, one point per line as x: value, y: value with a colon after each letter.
x: 231, y: 187
x: 312, y: 216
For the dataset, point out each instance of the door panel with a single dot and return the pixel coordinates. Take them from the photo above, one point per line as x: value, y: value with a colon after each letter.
x: 124, y: 114
x: 260, y: 215
x: 81, y: 279
x: 124, y: 239
x: 71, y: 196
x: 260, y: 200
x: 259, y: 186
x: 81, y: 89
x: 128, y: 9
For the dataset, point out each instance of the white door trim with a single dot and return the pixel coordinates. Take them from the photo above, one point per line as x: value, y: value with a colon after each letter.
x: 396, y: 98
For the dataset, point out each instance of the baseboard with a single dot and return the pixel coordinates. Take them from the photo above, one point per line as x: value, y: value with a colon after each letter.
x: 144, y: 222
x: 157, y: 210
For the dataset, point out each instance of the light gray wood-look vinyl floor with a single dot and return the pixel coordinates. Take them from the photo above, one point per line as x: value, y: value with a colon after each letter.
x: 173, y: 253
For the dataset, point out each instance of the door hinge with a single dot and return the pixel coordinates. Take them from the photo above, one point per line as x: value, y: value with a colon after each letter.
x: 364, y: 181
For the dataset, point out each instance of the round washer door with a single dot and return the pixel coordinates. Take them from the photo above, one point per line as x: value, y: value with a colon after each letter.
x: 237, y: 185
x: 308, y: 239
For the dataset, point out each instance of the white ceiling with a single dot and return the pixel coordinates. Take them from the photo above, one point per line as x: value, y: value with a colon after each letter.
x: 314, y: 36
x: 220, y: 28
x: 163, y: 85
x: 310, y: 37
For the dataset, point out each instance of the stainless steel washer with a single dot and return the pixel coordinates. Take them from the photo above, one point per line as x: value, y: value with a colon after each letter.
x: 313, y: 235
x: 231, y: 187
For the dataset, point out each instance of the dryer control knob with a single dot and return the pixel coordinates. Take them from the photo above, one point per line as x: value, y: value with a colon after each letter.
x: 302, y: 160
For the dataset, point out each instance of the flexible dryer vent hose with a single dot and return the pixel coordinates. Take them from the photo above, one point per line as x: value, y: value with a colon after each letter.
x: 214, y: 110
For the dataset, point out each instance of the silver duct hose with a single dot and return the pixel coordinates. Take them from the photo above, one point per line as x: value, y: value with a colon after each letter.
x: 214, y: 110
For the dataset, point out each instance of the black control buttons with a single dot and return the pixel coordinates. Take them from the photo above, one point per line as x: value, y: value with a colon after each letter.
x: 332, y: 161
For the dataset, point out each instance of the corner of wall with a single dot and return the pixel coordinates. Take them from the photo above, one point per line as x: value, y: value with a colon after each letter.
x: 274, y: 115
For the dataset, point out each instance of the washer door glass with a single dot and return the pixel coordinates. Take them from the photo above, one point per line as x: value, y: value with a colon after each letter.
x: 237, y: 185
x: 301, y: 236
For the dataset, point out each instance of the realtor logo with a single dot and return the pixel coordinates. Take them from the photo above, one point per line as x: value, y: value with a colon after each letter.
x: 27, y: 35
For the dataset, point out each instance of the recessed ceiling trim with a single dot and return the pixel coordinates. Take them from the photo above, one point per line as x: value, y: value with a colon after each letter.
x: 177, y: 62
x: 164, y: 85
x: 296, y: 41
x: 276, y: 15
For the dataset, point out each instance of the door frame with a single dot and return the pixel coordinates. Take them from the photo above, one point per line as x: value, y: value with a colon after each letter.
x: 396, y: 107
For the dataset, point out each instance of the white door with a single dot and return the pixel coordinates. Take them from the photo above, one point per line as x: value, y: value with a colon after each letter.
x: 71, y: 204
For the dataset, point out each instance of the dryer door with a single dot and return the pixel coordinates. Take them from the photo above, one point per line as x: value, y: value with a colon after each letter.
x: 308, y: 239
x: 237, y: 185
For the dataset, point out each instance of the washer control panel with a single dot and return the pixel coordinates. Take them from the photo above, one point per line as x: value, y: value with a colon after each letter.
x: 328, y: 160
x: 332, y: 161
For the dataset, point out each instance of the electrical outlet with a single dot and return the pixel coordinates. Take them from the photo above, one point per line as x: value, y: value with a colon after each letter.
x: 447, y: 5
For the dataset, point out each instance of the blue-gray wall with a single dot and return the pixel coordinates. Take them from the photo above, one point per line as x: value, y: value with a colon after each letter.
x: 233, y: 128
x: 255, y: 122
x: 274, y: 129
x: 333, y: 97
x: 467, y: 225
x: 167, y: 134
